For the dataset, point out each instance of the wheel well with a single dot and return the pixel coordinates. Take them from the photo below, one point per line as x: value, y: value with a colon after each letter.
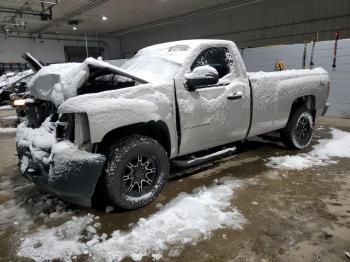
x: 157, y: 130
x: 308, y: 101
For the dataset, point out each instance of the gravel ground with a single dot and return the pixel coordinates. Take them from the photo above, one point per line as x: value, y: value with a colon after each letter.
x: 282, y: 215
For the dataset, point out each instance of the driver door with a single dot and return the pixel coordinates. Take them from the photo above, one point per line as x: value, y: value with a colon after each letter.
x: 217, y: 114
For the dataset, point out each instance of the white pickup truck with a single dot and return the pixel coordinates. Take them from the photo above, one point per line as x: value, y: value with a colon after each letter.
x: 94, y: 127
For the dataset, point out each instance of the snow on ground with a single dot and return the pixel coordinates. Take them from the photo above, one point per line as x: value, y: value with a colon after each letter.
x: 321, y: 154
x: 7, y: 107
x: 12, y: 213
x: 9, y: 117
x: 58, y: 242
x: 23, y: 213
x: 6, y: 130
x: 186, y: 219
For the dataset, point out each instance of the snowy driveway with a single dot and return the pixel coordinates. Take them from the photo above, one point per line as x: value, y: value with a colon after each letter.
x: 262, y: 203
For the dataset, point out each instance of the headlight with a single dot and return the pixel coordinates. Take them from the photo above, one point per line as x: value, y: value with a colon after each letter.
x: 20, y: 102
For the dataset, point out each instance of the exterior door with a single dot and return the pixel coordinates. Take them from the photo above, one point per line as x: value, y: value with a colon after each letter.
x: 218, y: 114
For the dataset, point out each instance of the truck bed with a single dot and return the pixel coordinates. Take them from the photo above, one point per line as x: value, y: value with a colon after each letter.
x: 274, y: 92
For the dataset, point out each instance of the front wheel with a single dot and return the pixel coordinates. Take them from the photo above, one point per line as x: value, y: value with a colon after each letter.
x: 299, y: 130
x: 136, y: 170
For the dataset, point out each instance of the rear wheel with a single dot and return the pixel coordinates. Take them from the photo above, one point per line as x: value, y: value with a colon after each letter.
x: 299, y: 130
x: 137, y: 168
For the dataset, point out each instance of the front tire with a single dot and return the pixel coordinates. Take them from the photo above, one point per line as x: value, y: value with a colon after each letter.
x: 136, y: 170
x: 299, y: 130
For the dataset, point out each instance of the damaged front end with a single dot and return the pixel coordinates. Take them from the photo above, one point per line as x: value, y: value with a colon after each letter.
x: 55, y: 148
x: 54, y: 152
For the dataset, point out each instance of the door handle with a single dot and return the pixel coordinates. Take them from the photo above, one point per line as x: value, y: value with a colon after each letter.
x: 235, y: 96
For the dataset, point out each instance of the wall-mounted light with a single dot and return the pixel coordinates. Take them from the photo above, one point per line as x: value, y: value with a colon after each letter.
x: 104, y: 18
x: 75, y: 28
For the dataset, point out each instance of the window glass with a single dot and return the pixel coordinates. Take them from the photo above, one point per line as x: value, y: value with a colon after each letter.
x: 217, y: 57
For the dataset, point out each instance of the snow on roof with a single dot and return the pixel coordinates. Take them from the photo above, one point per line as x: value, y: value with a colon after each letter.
x: 192, y: 43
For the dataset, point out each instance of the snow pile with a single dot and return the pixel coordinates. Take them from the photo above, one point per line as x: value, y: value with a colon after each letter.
x: 321, y: 155
x: 59, y: 242
x: 7, y: 130
x: 187, y: 219
x: 9, y: 118
x: 37, y: 139
x: 67, y: 150
x: 23, y: 213
x: 14, y: 213
x: 7, y: 107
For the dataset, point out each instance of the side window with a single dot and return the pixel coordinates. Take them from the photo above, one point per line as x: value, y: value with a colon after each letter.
x: 217, y: 57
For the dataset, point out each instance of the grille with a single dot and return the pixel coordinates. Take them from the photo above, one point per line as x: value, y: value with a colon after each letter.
x: 37, y: 112
x: 65, y: 127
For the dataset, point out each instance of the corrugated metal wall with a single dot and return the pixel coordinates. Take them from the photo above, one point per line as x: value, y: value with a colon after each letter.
x: 264, y: 59
x: 266, y: 23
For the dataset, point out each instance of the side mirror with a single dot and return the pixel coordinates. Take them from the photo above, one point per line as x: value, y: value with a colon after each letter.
x: 201, y: 76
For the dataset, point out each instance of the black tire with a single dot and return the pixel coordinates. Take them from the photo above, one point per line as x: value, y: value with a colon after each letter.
x: 132, y: 161
x: 299, y: 130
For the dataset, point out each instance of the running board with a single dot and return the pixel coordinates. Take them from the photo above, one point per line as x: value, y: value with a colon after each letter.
x: 191, y: 162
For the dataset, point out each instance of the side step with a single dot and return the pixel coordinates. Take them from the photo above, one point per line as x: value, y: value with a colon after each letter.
x: 192, y: 160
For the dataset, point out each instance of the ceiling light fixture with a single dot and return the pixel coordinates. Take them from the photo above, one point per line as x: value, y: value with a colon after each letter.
x: 104, y: 18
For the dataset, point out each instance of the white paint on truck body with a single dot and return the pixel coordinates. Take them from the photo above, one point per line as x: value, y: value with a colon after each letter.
x: 208, y: 116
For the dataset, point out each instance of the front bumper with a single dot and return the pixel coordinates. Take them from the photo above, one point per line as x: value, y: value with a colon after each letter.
x: 73, y: 180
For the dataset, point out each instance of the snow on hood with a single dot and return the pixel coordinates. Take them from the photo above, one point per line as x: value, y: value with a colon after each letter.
x: 58, y: 82
x: 133, y: 103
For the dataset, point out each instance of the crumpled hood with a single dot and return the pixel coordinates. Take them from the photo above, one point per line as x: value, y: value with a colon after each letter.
x: 58, y: 82
x: 107, y: 101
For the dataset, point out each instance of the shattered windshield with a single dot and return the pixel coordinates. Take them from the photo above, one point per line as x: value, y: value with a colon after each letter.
x: 157, y: 66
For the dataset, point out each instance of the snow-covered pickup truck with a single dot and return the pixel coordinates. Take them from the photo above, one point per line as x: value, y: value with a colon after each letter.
x: 94, y: 127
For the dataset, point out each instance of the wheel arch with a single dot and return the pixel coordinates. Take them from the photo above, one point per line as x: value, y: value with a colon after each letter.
x: 157, y: 130
x: 309, y: 101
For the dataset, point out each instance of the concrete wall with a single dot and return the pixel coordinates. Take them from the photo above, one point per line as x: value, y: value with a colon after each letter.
x: 264, y: 59
x: 50, y: 51
x: 266, y: 23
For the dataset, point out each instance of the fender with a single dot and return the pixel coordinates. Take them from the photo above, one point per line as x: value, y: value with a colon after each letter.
x: 110, y: 110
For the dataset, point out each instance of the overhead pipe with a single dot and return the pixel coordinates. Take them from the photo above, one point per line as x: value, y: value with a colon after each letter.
x: 57, y: 39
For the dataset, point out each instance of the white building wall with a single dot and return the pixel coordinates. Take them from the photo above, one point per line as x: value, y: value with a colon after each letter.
x: 50, y: 51
x: 264, y: 59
